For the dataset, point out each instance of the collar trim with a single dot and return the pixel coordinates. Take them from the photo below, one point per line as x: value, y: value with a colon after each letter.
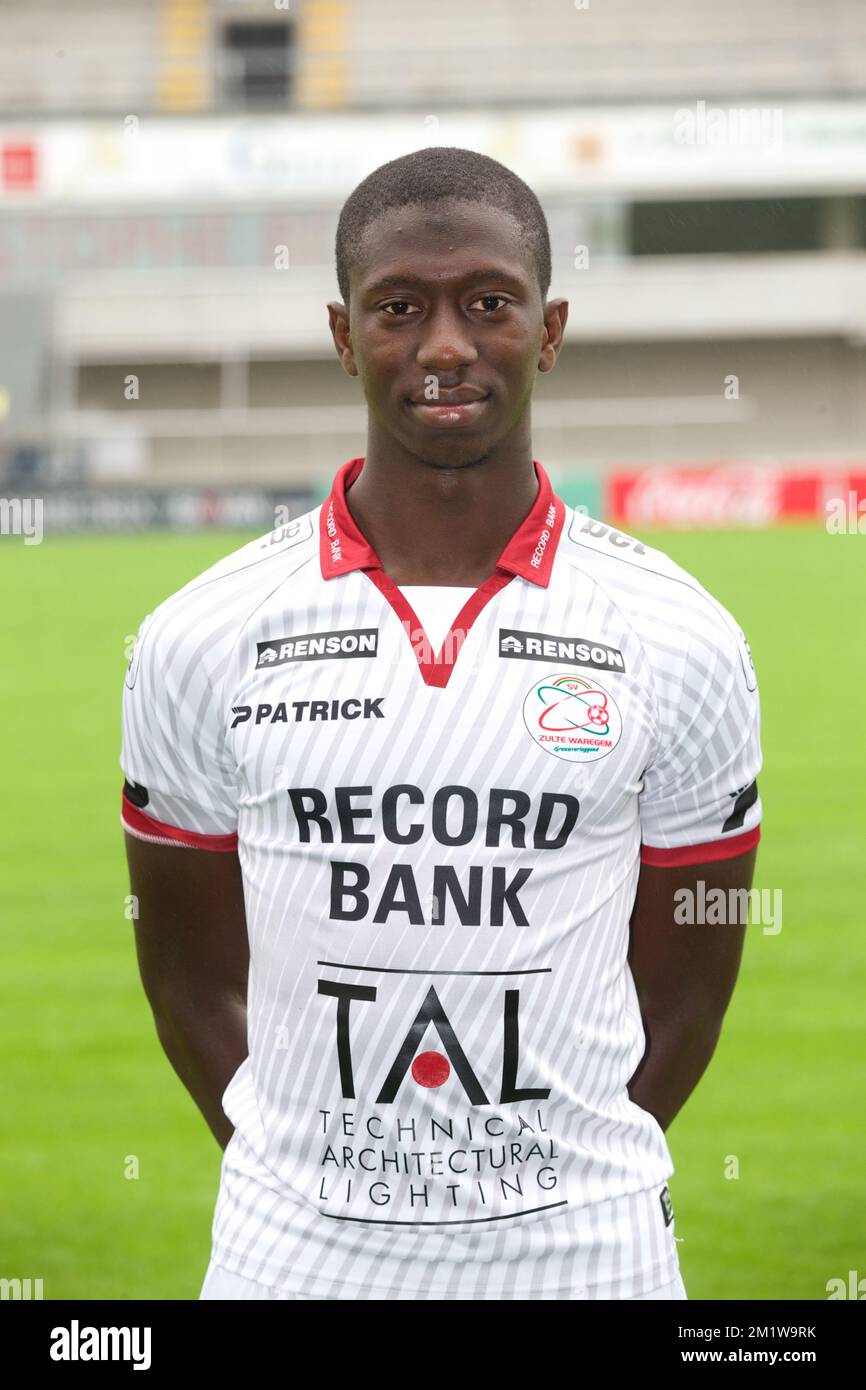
x: 529, y: 553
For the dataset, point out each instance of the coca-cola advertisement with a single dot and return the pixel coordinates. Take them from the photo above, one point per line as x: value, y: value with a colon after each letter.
x: 729, y: 495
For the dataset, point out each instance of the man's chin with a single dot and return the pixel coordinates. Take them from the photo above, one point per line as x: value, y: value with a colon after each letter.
x: 455, y: 457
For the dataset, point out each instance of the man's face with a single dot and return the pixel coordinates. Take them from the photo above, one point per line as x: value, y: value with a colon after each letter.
x: 446, y: 330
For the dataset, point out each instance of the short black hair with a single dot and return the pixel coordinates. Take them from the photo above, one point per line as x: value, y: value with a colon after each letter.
x: 437, y: 174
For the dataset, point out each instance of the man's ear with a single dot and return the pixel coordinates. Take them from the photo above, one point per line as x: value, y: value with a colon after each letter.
x: 338, y: 320
x: 555, y: 319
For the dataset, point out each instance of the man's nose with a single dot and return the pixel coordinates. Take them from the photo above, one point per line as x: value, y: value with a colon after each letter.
x: 447, y: 342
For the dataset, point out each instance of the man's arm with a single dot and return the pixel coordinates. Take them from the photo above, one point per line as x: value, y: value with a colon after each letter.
x: 193, y: 954
x: 685, y: 976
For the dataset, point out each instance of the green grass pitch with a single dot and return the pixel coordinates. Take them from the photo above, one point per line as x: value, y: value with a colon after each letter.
x: 87, y: 1086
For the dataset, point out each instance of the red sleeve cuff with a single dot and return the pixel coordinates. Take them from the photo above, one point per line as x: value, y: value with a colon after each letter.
x: 710, y: 853
x: 157, y: 832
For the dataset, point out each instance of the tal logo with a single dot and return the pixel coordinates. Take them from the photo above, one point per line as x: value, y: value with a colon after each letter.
x: 431, y: 1068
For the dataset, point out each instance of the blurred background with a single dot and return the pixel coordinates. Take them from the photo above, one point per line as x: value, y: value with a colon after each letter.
x: 171, y: 173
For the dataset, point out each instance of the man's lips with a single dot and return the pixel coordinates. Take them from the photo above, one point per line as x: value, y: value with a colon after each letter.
x: 460, y: 405
x: 452, y: 395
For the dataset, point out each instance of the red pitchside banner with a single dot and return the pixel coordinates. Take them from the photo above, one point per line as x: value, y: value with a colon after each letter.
x: 731, y: 495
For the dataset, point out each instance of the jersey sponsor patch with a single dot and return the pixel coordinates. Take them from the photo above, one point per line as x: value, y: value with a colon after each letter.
x: 134, y: 659
x: 746, y: 659
x: 295, y: 531
x: 585, y: 529
x: 367, y: 708
x: 135, y: 792
x: 572, y: 718
x: 744, y: 798
x: 666, y: 1205
x: 577, y: 651
x: 316, y: 646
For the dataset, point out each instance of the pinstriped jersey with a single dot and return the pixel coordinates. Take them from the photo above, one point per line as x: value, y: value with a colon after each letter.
x: 440, y: 849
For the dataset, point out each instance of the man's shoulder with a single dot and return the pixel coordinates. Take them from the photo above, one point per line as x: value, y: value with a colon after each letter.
x: 209, y: 609
x: 662, y: 601
x: 637, y: 575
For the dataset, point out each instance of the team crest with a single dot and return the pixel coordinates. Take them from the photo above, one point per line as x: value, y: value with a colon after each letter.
x: 572, y: 718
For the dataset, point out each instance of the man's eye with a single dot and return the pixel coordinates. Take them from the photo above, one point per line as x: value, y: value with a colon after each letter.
x: 398, y: 304
x: 485, y: 299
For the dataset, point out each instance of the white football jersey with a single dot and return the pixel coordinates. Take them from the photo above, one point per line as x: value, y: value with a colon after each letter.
x: 440, y: 847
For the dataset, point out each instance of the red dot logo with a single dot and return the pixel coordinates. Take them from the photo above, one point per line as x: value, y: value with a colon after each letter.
x: 431, y: 1069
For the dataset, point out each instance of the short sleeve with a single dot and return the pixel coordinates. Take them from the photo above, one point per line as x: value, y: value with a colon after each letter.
x: 700, y: 802
x: 180, y: 785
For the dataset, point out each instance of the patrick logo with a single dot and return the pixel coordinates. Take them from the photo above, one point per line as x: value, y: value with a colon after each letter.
x: 572, y: 718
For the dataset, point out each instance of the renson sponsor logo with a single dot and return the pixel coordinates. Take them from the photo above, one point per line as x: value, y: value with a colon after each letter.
x: 317, y: 646
x: 575, y: 651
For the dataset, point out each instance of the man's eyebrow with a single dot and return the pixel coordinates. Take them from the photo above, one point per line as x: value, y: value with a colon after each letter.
x: 396, y: 282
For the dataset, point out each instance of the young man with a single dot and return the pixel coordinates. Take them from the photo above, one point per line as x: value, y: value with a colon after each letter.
x: 432, y: 761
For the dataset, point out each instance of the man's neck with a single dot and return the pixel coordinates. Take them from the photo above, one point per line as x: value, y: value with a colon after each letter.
x: 441, y: 526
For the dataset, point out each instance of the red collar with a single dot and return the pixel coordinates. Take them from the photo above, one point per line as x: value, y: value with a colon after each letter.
x: 529, y: 553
